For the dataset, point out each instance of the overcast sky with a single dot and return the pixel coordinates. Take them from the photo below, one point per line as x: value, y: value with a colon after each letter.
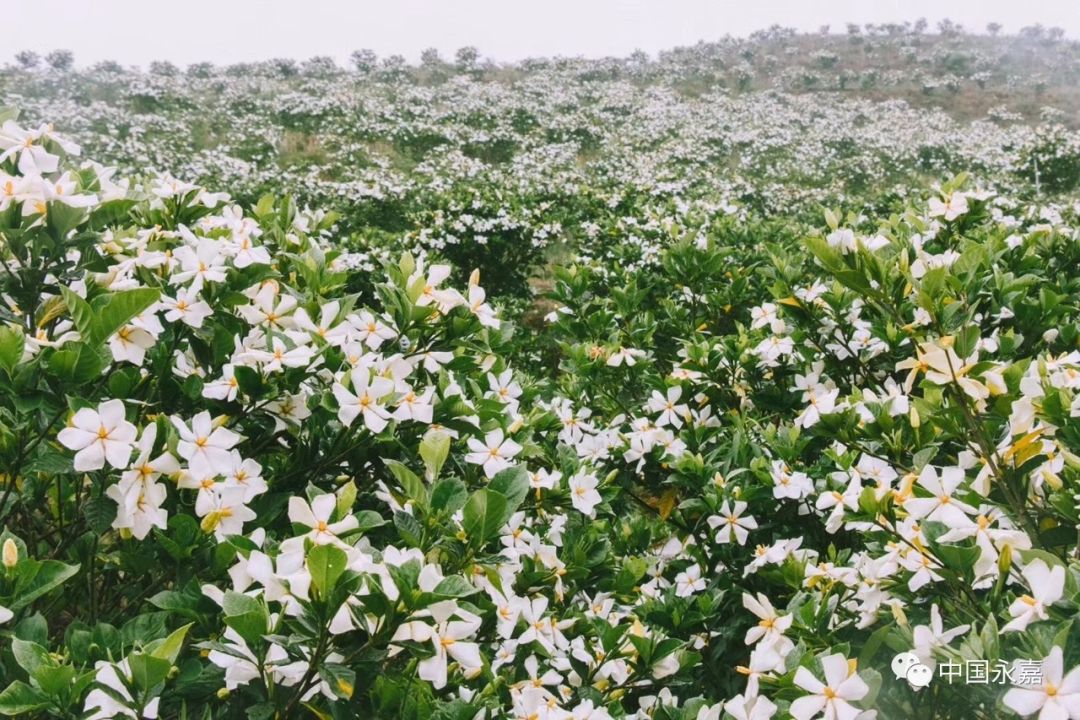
x: 226, y: 31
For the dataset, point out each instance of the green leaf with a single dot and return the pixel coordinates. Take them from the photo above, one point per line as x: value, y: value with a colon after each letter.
x: 483, y: 515
x: 513, y: 484
x: 413, y: 486
x: 409, y: 528
x: 55, y: 679
x: 36, y: 578
x: 30, y: 655
x: 957, y: 557
x: 77, y: 363
x: 249, y: 381
x: 115, y: 310
x: 454, y: 586
x: 80, y: 311
x: 868, y: 502
x: 12, y: 342
x: 61, y: 219
x: 18, y: 698
x: 369, y: 520
x: 181, y: 603
x: 346, y: 498
x: 326, y: 563
x: 966, y: 340
x: 449, y: 495
x: 246, y: 615
x: 169, y: 648
x: 148, y: 671
x: 873, y: 644
x: 434, y: 450
x: 99, y: 513
x: 632, y: 570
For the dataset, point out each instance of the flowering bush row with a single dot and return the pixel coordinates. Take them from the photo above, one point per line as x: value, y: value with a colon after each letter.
x: 248, y: 473
x: 500, y: 168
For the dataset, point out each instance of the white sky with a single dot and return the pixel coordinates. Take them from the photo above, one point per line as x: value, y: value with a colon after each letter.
x: 225, y: 31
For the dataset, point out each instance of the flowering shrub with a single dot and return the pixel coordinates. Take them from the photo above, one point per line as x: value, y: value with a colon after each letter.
x: 735, y: 472
x: 504, y: 167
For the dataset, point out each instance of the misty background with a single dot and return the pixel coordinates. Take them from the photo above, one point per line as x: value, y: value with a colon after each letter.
x: 136, y: 32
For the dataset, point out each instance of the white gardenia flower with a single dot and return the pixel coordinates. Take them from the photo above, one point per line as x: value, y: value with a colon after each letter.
x: 130, y: 343
x: 788, y: 484
x: 1057, y: 697
x: 447, y: 638
x: 689, y: 581
x: 820, y: 401
x: 364, y: 399
x: 752, y: 707
x: 583, y: 493
x: 504, y: 389
x: 200, y: 262
x: 629, y: 356
x: 117, y: 701
x: 326, y: 329
x: 732, y: 523
x: 139, y: 495
x: 951, y: 208
x: 98, y: 436
x: 483, y: 312
x: 765, y: 315
x: 942, y: 506
x: 544, y: 479
x: 316, y: 516
x: 832, y: 698
x: 771, y: 626
x: 494, y: 453
x: 186, y: 307
x: 224, y: 388
x: 205, y: 448
x: 928, y: 638
x: 1047, y: 587
x: 227, y: 512
x: 671, y: 413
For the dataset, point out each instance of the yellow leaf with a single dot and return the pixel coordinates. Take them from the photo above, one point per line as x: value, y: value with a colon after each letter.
x: 667, y: 503
x: 345, y: 687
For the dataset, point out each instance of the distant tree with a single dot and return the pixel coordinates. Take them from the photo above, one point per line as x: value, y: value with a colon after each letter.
x: 164, y: 68
x: 853, y: 29
x: 364, y: 60
x: 920, y: 26
x: 108, y: 66
x: 285, y: 67
x: 60, y: 59
x: 200, y: 70
x: 823, y: 30
x: 467, y: 58
x: 27, y: 59
x: 948, y: 28
x: 319, y: 66
x: 430, y: 59
x: 1033, y: 32
x: 393, y: 67
x: 244, y: 69
x: 1056, y: 33
x: 994, y: 29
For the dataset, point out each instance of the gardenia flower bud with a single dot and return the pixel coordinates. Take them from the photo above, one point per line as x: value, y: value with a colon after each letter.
x: 10, y: 553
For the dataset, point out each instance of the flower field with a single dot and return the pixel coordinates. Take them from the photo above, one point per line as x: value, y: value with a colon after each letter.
x: 692, y: 388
